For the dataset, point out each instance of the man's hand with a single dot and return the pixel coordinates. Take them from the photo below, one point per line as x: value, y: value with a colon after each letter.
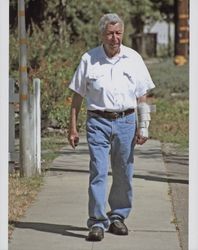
x: 73, y: 139
x: 73, y: 136
x: 140, y: 139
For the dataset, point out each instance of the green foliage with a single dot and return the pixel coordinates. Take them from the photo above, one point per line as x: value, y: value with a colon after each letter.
x: 170, y: 80
x: 170, y: 122
x: 51, y: 61
x: 78, y: 19
x: 166, y: 8
x: 142, y: 12
x: 146, y: 12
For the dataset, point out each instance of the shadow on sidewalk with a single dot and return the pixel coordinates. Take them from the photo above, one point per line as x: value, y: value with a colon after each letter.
x: 71, y: 152
x: 51, y: 228
x: 160, y: 179
x: 166, y: 178
x: 169, y: 158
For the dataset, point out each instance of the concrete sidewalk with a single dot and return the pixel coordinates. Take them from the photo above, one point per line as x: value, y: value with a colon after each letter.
x: 57, y: 219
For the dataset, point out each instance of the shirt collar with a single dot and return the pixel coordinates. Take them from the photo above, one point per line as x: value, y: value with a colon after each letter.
x: 122, y: 53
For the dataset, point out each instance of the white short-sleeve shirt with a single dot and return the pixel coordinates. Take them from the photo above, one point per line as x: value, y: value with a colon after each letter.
x: 111, y: 84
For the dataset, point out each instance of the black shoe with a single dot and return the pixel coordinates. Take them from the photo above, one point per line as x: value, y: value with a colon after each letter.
x: 96, y: 234
x: 118, y: 227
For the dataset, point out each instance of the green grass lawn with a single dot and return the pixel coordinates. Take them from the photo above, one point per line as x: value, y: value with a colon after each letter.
x: 170, y: 122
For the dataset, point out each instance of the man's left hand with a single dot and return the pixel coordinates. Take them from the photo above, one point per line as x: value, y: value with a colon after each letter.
x: 140, y: 139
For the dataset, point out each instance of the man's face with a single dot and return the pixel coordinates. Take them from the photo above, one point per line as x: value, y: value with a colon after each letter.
x: 112, y: 39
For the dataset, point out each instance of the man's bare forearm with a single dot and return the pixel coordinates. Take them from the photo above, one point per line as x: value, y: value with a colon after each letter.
x: 75, y: 109
x: 142, y: 98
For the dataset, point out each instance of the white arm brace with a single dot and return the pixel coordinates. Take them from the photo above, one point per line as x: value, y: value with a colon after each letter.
x: 143, y: 111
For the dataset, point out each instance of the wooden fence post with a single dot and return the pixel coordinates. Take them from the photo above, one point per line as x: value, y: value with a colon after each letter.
x: 35, y: 127
x: 37, y: 115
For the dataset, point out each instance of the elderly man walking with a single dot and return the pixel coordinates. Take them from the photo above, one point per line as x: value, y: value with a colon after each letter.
x: 114, y: 81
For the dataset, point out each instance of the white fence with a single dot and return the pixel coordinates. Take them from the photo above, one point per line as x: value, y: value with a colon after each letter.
x: 13, y: 101
x: 34, y: 128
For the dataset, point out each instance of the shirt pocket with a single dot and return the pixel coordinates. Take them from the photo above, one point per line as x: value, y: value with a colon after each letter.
x: 96, y: 80
x: 131, y: 82
x: 129, y: 76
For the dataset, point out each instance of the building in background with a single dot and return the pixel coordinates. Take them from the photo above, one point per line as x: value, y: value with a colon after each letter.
x: 165, y: 33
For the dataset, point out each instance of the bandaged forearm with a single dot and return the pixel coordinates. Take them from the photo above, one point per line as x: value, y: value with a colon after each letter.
x: 143, y: 111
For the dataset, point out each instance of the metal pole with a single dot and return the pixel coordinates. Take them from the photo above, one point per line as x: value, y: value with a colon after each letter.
x: 25, y: 155
x: 181, y: 31
x: 4, y: 107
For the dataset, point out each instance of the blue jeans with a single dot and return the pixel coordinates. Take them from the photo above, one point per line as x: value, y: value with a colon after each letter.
x: 115, y: 138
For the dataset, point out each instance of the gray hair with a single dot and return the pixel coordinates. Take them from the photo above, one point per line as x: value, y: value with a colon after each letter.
x: 110, y: 18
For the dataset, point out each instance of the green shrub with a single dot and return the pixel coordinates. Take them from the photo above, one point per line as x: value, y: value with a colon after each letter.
x: 54, y: 63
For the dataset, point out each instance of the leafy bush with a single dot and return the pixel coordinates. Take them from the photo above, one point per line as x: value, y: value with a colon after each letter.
x: 54, y: 63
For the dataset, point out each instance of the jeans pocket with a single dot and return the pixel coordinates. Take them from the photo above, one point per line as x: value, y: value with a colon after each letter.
x: 130, y: 119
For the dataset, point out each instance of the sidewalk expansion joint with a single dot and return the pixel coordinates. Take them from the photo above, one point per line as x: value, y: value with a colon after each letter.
x: 153, y: 231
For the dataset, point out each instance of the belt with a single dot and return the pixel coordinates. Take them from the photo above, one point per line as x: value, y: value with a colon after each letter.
x: 112, y: 115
